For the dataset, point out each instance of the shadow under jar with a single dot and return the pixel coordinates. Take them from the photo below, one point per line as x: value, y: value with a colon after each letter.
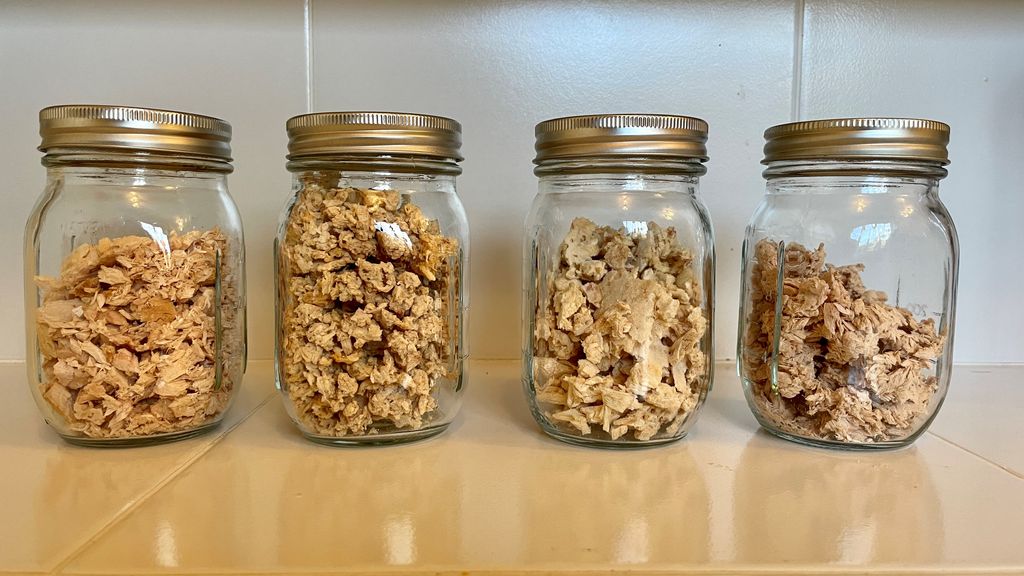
x: 134, y: 276
x: 619, y: 280
x: 371, y: 257
x: 849, y: 283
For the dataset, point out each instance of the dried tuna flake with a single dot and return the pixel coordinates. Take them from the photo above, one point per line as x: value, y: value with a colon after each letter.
x: 614, y: 310
x: 127, y: 335
x: 851, y: 367
x: 367, y: 281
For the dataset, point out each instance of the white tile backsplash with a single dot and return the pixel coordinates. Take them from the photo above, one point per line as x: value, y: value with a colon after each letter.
x: 500, y: 67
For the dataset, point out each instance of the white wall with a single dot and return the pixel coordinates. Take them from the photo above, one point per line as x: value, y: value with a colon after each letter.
x: 499, y: 67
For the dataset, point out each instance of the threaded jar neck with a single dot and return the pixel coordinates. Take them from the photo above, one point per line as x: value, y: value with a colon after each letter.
x: 132, y: 159
x: 880, y: 168
x: 622, y: 165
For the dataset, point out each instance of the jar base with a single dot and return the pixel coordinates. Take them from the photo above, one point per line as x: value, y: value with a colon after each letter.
x: 609, y: 444
x: 838, y: 445
x: 142, y: 440
x: 386, y: 439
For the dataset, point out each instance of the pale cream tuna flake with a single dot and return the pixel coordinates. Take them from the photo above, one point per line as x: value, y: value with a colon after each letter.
x: 368, y: 283
x: 619, y: 332
x: 851, y: 367
x: 127, y: 335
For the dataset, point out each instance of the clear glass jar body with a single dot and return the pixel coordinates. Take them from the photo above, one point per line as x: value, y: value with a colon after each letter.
x: 618, y: 301
x: 371, y: 300
x: 857, y: 352
x: 134, y: 298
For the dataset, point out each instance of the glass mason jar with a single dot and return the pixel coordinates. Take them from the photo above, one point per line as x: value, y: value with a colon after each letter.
x: 857, y: 351
x: 134, y: 276
x: 371, y: 258
x: 618, y: 280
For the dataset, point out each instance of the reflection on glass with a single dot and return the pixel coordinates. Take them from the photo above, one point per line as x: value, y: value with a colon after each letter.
x: 871, y: 236
x: 160, y: 238
x: 635, y: 228
x: 394, y: 231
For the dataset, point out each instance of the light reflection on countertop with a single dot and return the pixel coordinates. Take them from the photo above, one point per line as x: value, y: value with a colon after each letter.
x: 627, y: 508
x: 851, y: 508
x: 494, y: 494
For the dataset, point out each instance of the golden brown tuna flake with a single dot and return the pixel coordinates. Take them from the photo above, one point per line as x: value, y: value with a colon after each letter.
x: 368, y: 281
x: 127, y: 336
x: 851, y: 367
x: 617, y: 343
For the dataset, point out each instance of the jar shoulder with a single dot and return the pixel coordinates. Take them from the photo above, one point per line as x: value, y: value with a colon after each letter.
x: 846, y: 213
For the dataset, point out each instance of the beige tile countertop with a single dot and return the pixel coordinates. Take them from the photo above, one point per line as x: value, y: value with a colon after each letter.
x: 494, y: 495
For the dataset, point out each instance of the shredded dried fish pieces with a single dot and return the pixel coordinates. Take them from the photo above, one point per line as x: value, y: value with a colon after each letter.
x: 619, y: 333
x: 852, y: 368
x: 368, y: 284
x: 127, y: 335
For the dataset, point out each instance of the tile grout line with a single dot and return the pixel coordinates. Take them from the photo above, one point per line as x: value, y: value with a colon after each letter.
x: 1008, y: 470
x: 799, y: 10
x: 307, y: 36
x: 145, y: 496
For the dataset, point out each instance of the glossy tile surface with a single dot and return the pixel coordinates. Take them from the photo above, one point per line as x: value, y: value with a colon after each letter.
x: 501, y: 67
x: 961, y: 63
x: 982, y: 414
x: 57, y: 496
x: 494, y: 494
x: 240, y: 60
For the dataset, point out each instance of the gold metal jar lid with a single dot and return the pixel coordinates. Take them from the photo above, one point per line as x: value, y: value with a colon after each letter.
x: 858, y: 139
x: 622, y: 135
x: 128, y: 128
x: 373, y: 133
